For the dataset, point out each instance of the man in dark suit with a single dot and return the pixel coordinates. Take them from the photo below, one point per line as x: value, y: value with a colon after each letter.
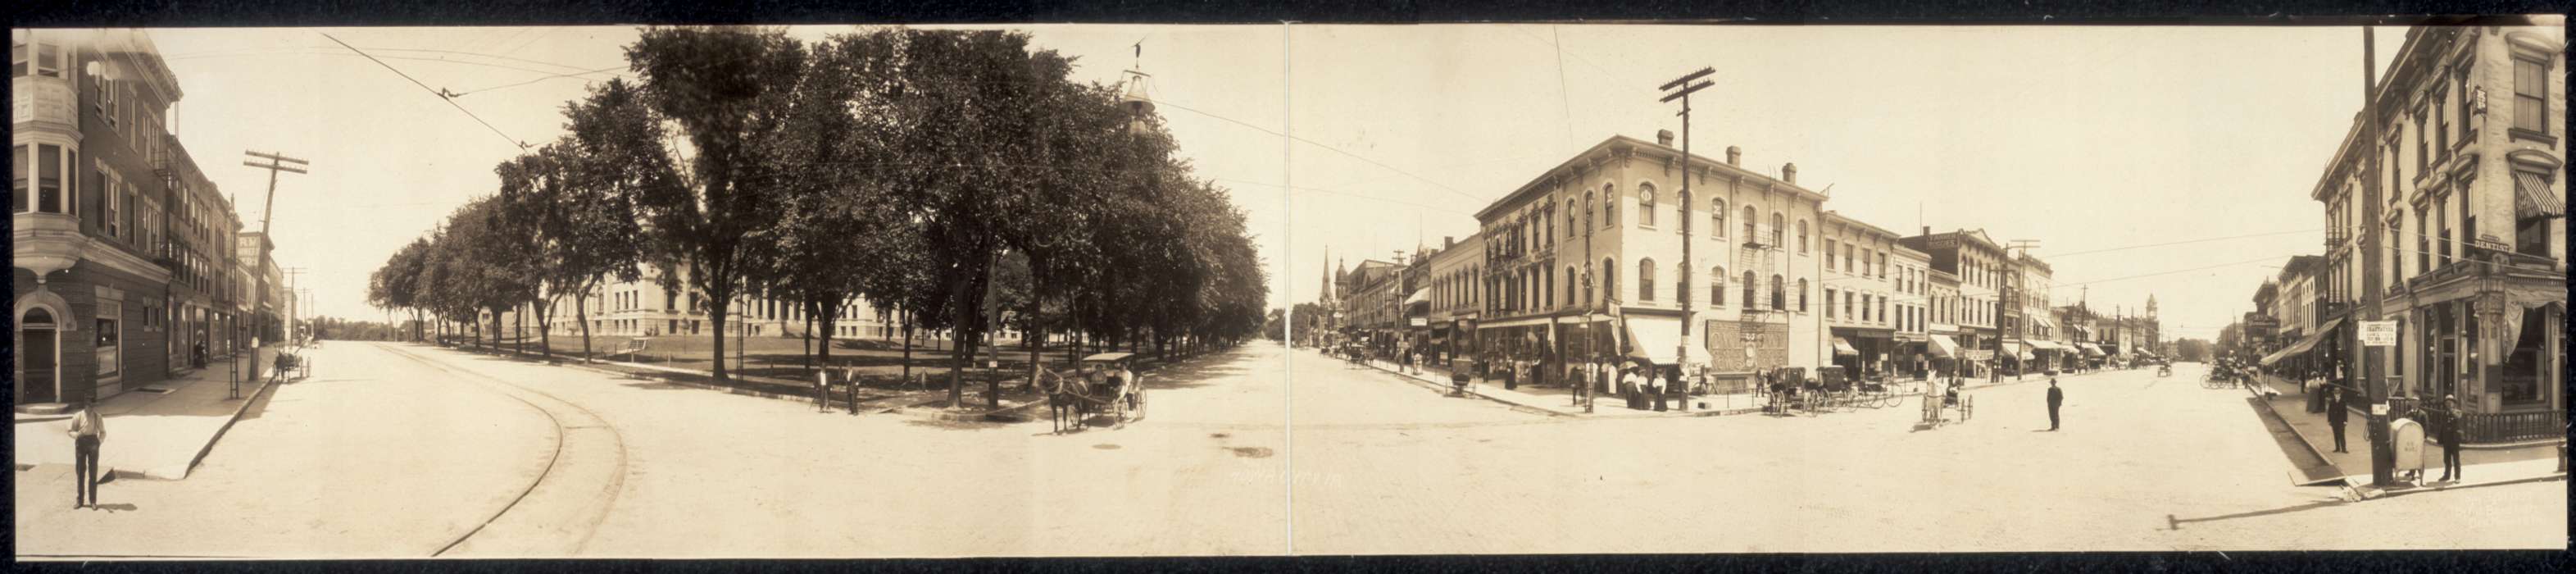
x: 2446, y: 431
x: 2056, y: 398
x: 2335, y: 414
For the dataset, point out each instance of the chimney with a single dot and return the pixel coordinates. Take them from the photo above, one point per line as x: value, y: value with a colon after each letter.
x: 1927, y: 230
x: 1734, y: 155
x: 1789, y: 172
x: 1448, y: 242
x: 1664, y: 138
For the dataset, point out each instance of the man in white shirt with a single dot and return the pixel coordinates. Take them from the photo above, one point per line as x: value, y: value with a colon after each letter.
x: 87, y: 431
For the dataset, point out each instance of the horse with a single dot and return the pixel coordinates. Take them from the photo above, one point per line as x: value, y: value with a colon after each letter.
x: 1065, y: 402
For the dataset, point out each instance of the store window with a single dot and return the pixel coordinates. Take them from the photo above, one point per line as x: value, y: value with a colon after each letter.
x: 2522, y: 368
x: 110, y: 354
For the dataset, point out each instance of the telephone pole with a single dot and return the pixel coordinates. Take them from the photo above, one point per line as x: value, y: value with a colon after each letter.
x: 1681, y: 89
x: 294, y: 302
x: 2383, y: 456
x: 277, y: 162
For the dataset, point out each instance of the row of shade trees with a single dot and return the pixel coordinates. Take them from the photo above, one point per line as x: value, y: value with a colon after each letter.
x: 959, y: 179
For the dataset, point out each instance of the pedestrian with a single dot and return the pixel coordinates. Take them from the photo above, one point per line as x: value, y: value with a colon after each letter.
x: 2336, y: 414
x: 1511, y: 375
x: 1672, y: 383
x: 2446, y: 431
x: 87, y: 431
x: 2056, y: 398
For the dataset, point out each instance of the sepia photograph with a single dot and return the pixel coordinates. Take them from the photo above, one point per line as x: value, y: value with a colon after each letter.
x: 869, y: 291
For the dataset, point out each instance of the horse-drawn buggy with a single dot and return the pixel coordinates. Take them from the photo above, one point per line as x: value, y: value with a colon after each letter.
x: 1944, y: 396
x: 1104, y: 386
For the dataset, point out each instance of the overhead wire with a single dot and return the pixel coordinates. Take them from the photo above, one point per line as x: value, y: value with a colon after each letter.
x: 442, y: 96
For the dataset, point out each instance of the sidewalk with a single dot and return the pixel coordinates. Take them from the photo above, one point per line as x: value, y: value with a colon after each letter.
x: 149, y: 435
x: 873, y: 399
x: 2479, y: 466
x: 1558, y: 400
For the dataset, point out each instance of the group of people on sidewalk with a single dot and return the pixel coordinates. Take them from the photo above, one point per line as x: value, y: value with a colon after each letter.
x: 2441, y: 423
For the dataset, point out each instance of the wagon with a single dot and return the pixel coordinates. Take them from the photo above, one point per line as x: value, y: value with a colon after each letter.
x: 1104, y: 385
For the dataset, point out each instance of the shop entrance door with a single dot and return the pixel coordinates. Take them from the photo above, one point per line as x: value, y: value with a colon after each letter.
x: 38, y: 343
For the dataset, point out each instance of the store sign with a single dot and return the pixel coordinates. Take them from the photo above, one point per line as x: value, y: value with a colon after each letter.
x: 1981, y: 354
x: 2378, y: 333
x: 1421, y: 322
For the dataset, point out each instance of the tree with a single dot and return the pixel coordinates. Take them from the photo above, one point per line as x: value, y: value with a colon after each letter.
x: 725, y: 90
x: 835, y: 222
x: 396, y: 284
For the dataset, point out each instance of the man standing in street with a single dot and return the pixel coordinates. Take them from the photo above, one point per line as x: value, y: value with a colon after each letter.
x: 2335, y: 414
x: 2056, y: 398
x: 2446, y: 430
x: 87, y: 431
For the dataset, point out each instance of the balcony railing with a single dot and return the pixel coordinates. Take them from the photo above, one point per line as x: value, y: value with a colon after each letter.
x: 2512, y: 427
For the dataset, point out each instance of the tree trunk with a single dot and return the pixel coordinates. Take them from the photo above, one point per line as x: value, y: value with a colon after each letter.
x: 907, y: 348
x: 581, y: 313
x: 545, y: 329
x: 719, y: 299
x: 519, y: 329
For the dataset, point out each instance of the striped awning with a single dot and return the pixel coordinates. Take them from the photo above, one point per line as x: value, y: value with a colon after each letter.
x: 1943, y: 346
x: 2532, y: 197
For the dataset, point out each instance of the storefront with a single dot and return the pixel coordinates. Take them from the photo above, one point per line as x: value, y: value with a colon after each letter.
x: 2488, y: 331
x: 1864, y: 351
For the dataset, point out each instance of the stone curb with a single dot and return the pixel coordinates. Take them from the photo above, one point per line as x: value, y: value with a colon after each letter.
x: 1445, y: 390
x: 264, y: 386
x: 2257, y: 394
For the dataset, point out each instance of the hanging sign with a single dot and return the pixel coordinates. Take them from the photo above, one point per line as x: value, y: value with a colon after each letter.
x: 2378, y: 333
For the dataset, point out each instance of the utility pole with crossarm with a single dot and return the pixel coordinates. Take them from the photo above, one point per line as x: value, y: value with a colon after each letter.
x: 1687, y: 84
x: 277, y: 162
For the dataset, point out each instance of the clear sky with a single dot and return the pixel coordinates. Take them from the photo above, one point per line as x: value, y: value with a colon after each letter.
x: 2086, y: 138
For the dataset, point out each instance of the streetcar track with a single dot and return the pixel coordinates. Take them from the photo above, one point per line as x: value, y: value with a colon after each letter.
x: 554, y: 459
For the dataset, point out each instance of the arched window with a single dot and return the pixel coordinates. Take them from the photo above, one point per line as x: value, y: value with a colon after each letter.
x: 1717, y: 286
x: 1587, y: 287
x: 1779, y: 227
x: 1645, y: 280
x: 1547, y: 285
x: 1779, y: 294
x: 1609, y: 205
x: 1570, y: 280
x: 1716, y: 217
x: 1609, y: 279
x: 1802, y: 295
x: 1646, y: 205
x: 1749, y: 285
x: 1802, y: 237
x: 1587, y: 206
x: 1748, y: 227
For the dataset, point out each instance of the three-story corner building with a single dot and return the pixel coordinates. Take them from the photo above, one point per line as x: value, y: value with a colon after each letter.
x: 1872, y: 289
x: 91, y: 271
x: 1982, y: 270
x: 1588, y: 259
x: 2041, y: 335
x: 2469, y: 169
x: 1945, y: 305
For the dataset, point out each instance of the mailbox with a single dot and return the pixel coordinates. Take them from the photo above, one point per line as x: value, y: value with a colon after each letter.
x: 2406, y: 439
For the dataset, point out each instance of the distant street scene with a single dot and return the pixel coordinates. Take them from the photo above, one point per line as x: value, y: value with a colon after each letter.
x: 1093, y: 290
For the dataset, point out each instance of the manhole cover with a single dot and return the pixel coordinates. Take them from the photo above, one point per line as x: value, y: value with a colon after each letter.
x: 1105, y: 446
x: 1251, y: 451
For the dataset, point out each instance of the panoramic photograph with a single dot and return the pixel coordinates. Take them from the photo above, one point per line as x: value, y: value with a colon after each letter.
x: 1083, y: 290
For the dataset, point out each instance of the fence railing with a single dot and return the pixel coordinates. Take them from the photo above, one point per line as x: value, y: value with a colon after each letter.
x: 2512, y: 427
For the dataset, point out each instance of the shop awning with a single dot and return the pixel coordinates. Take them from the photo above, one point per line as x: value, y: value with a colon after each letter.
x: 1842, y: 347
x: 2089, y: 349
x: 2305, y: 344
x: 2533, y: 198
x: 1418, y: 296
x: 2019, y: 350
x: 2047, y: 345
x: 1943, y: 346
x: 1654, y: 339
x: 2042, y: 320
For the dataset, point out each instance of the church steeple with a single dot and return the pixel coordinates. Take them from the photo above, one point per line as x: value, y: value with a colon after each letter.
x: 2151, y: 304
x: 1329, y: 276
